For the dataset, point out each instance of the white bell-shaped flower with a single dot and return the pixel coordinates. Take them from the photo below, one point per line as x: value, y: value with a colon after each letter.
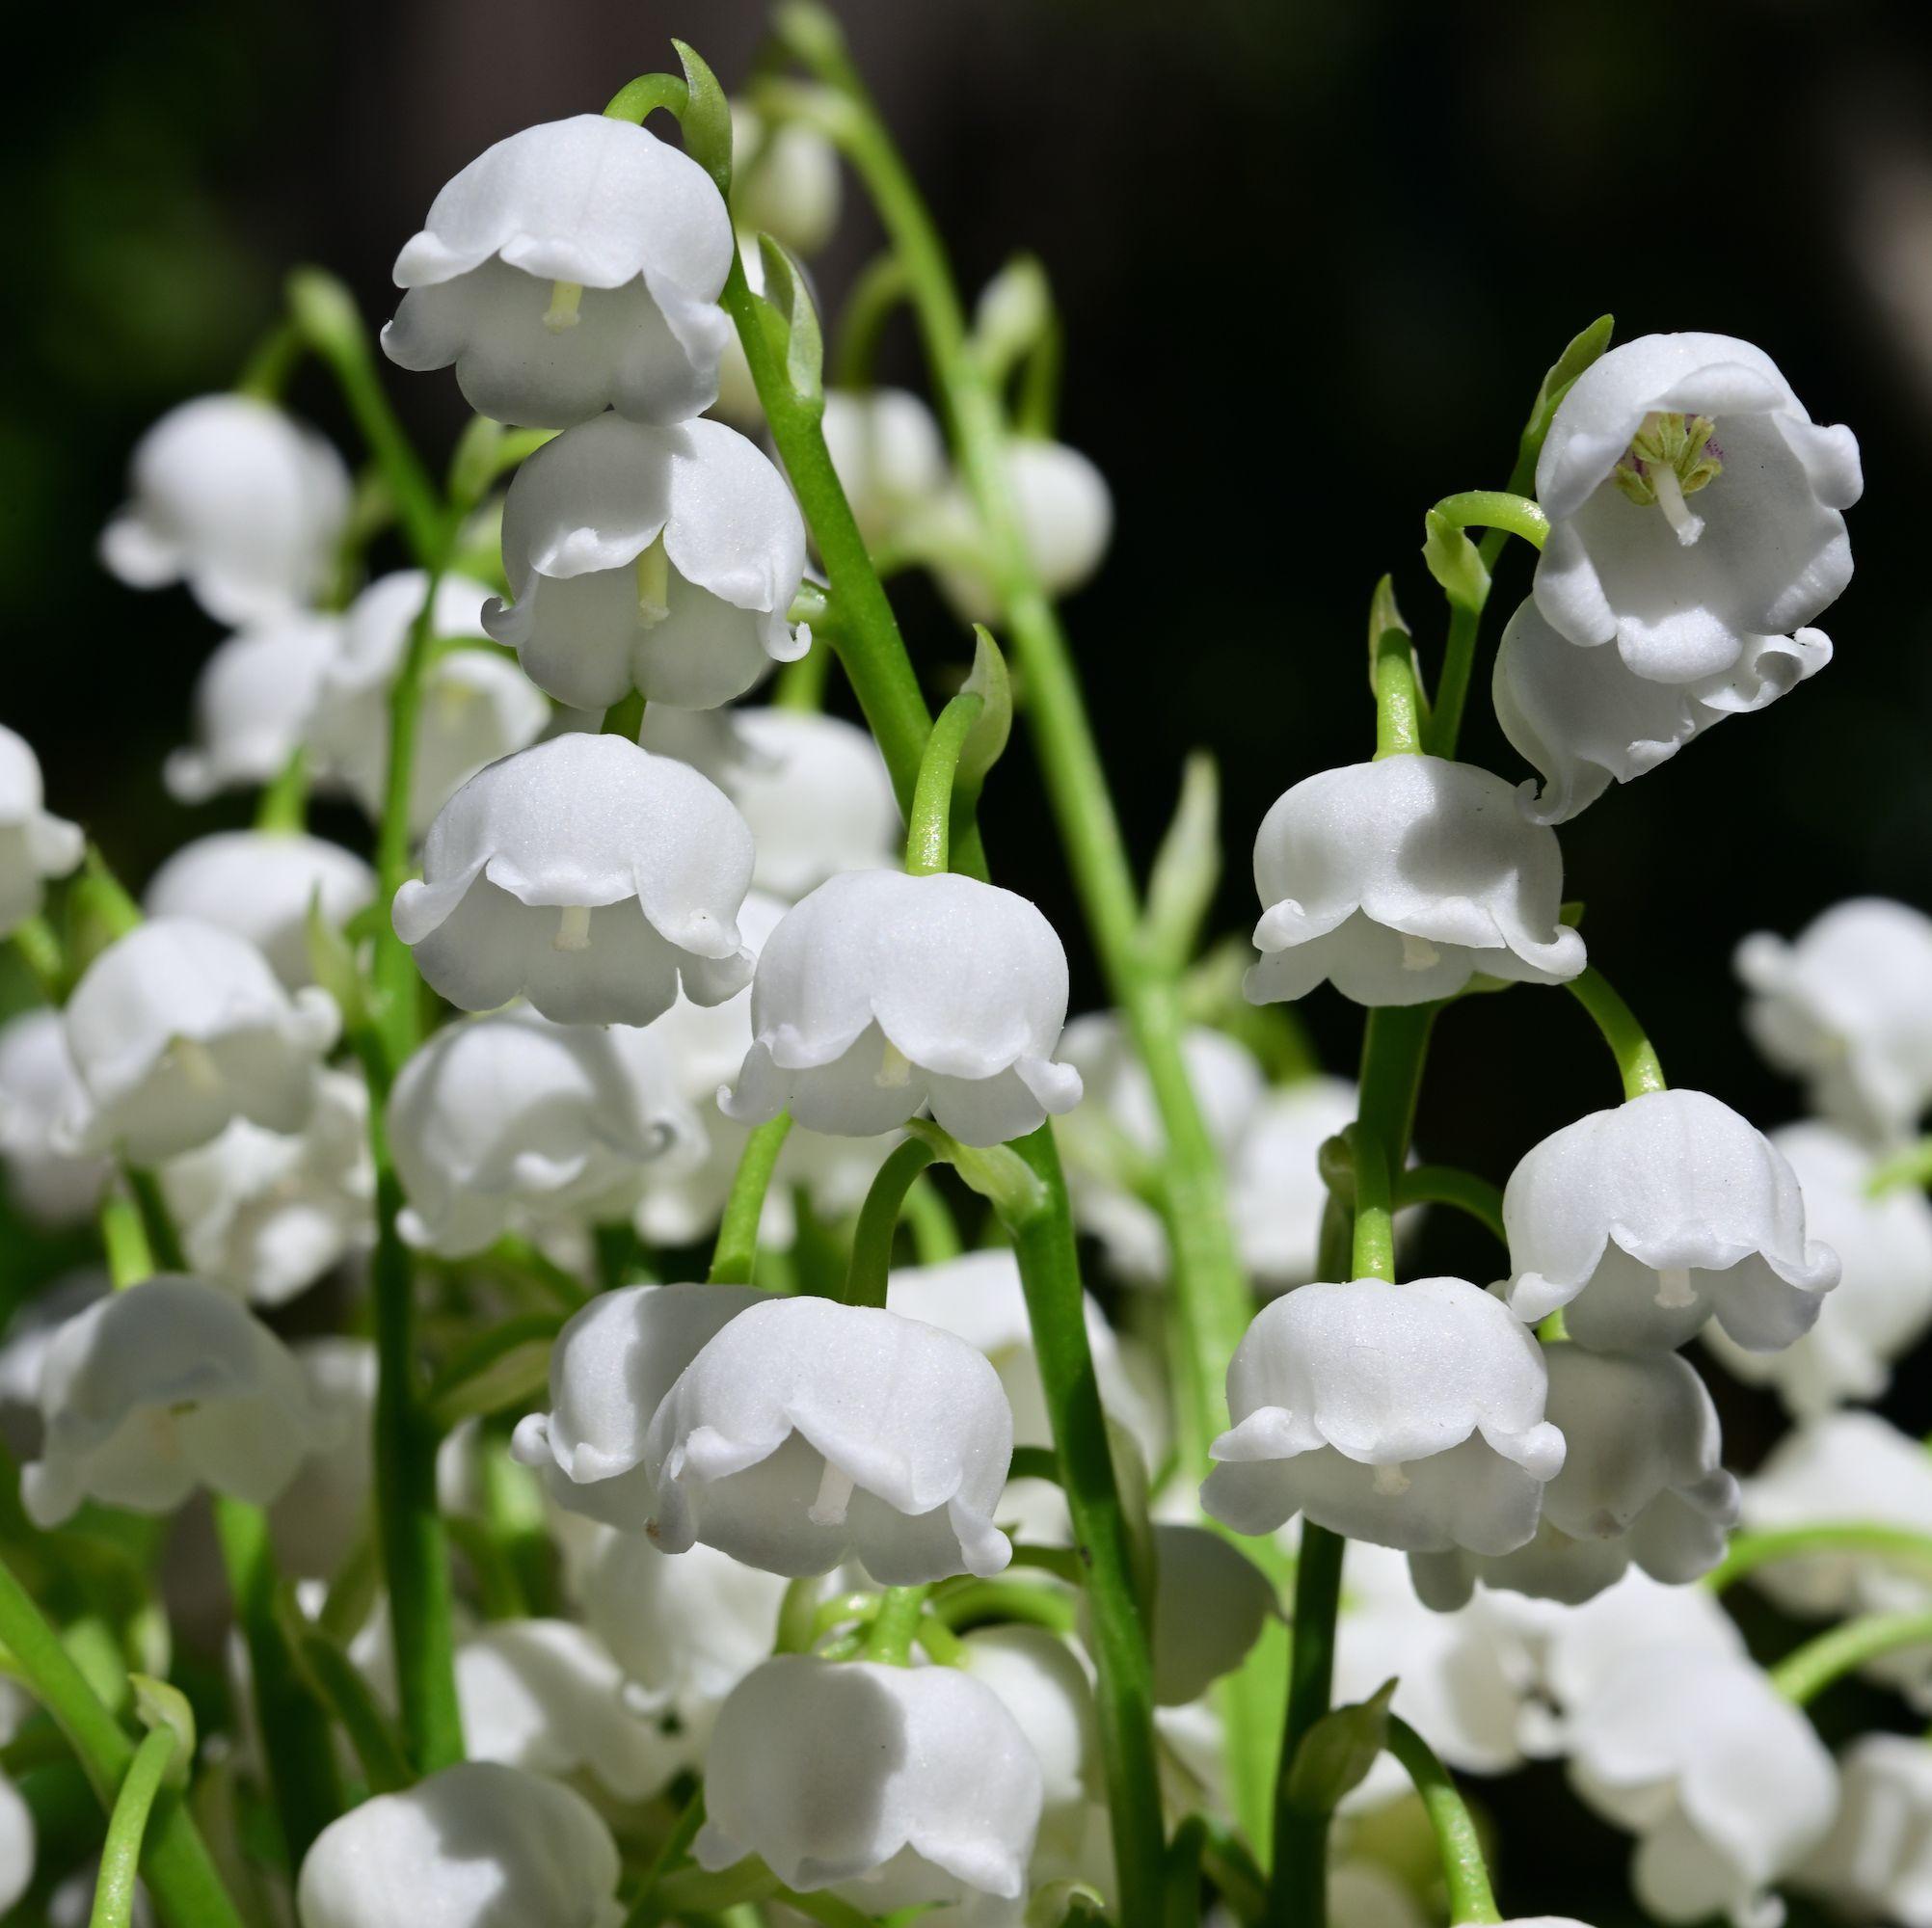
x: 808, y: 1432
x: 1847, y: 1006
x: 890, y: 1785
x: 24, y: 1343
x: 1586, y: 720
x: 1645, y: 1220
x: 1686, y: 592
x: 1114, y: 1134
x: 478, y: 1845
x: 1883, y: 1302
x: 178, y: 1027
x: 1398, y: 880
x: 260, y: 885
x: 545, y: 1695
x: 269, y: 1213
x: 254, y: 703
x: 236, y: 499
x: 1642, y: 1481
x: 1411, y: 1416
x: 1276, y: 1193
x: 512, y: 1123
x: 657, y: 559
x: 890, y: 456
x: 169, y: 1385
x: 574, y: 267
x: 323, y: 1512
x: 610, y: 1370
x: 477, y: 705
x: 1722, y: 1779
x: 1876, y: 1862
x: 881, y: 994
x: 1210, y: 1604
x: 812, y: 789
x: 40, y: 1090
x: 34, y: 844
x: 587, y: 875
x: 784, y: 180
x: 18, y: 1845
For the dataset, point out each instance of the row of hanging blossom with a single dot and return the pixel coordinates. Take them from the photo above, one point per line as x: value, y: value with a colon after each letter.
x: 703, y: 1488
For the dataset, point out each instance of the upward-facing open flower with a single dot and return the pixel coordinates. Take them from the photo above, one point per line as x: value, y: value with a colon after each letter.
x: 1411, y: 1416
x: 574, y: 267
x: 1645, y: 1221
x: 1883, y: 1301
x: 477, y: 1845
x: 1695, y: 508
x: 890, y: 455
x: 657, y: 559
x: 1398, y: 880
x: 40, y: 1092
x: 475, y: 708
x: 513, y: 1123
x: 587, y: 875
x: 236, y: 499
x: 880, y: 993
x: 1586, y: 720
x: 1847, y: 1006
x: 151, y: 1392
x: 891, y: 1786
x: 34, y: 844
x: 177, y: 1027
x: 255, y: 701
x: 260, y: 884
x: 808, y: 1432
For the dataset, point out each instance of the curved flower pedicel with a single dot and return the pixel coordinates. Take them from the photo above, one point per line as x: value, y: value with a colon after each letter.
x: 236, y: 499
x: 178, y: 1027
x: 1411, y: 1416
x: 1400, y: 879
x: 478, y: 1845
x: 510, y: 1122
x: 657, y: 559
x: 891, y: 1786
x: 1642, y: 1483
x: 154, y: 1391
x: 1847, y: 1005
x: 809, y: 1432
x: 881, y: 994
x: 587, y: 875
x: 1689, y: 592
x: 1644, y: 1221
x: 1586, y: 720
x: 34, y: 844
x: 254, y: 703
x: 574, y: 267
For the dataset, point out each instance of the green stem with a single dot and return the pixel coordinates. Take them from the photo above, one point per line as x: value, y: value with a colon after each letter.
x: 130, y: 1258
x: 1374, y: 1243
x: 640, y: 98
x: 801, y: 686
x: 878, y: 1221
x: 735, y: 1258
x: 645, y: 1910
x: 875, y: 295
x: 935, y: 1235
x: 265, y: 374
x: 1297, y: 1893
x: 1637, y: 1062
x: 1449, y: 1185
x: 341, y: 1688
x: 894, y: 1627
x: 626, y: 718
x: 1502, y: 510
x: 126, y: 1826
x: 1398, y: 724
x: 1912, y: 1166
x: 1802, y: 1675
x: 1748, y: 1551
x: 284, y: 803
x: 978, y: 1601
x: 1464, y: 1871
x: 157, y: 1221
x: 178, y: 1869
x: 928, y: 832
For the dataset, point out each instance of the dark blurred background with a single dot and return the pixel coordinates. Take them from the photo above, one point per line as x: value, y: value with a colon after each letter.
x: 1312, y: 259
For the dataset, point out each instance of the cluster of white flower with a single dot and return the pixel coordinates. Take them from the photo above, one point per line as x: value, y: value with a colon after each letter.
x: 850, y: 1586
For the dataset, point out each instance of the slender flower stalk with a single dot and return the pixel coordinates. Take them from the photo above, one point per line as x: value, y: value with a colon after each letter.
x: 1464, y: 1871
x: 1895, y: 1546
x: 735, y: 1254
x: 878, y: 1221
x: 127, y: 1828
x: 1805, y: 1675
x: 1637, y: 1061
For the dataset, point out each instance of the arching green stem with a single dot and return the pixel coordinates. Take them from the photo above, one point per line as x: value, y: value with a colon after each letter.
x: 127, y: 1827
x: 878, y: 1220
x: 1637, y: 1062
x: 626, y: 717
x: 735, y: 1257
x: 1449, y: 1185
x: 879, y: 292
x: 1464, y: 1871
x: 640, y: 98
x: 1499, y: 509
x: 928, y: 837
x: 1374, y: 1243
x: 1895, y: 1545
x: 130, y: 1258
x: 1803, y: 1675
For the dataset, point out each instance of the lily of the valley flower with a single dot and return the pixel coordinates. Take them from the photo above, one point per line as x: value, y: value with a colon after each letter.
x: 34, y: 844
x: 588, y: 876
x: 881, y: 994
x: 178, y: 1027
x: 1275, y: 1192
x: 660, y: 559
x: 1847, y: 1006
x: 890, y: 455
x: 574, y: 267
x: 1398, y: 880
x: 477, y: 1845
x: 1411, y: 1416
x: 809, y: 1432
x: 1876, y: 1862
x: 891, y: 1787
x: 1695, y: 508
x: 237, y: 500
x: 254, y: 702
x: 151, y: 1392
x: 1645, y: 1220
x: 40, y: 1090
x: 784, y: 180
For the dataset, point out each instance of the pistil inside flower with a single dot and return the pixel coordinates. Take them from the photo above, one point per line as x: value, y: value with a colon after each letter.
x: 1418, y: 953
x: 654, y: 584
x: 1392, y: 1480
x: 1674, y: 1290
x: 834, y: 1495
x: 573, y: 928
x: 196, y: 1063
x: 895, y: 1069
x: 562, y: 313
x: 1669, y: 457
